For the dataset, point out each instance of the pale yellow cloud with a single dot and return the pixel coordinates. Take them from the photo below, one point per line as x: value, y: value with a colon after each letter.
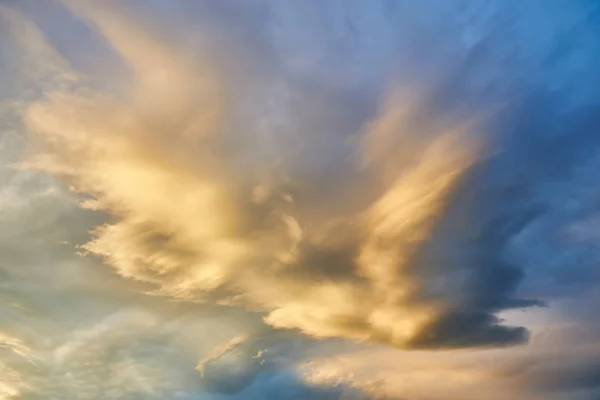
x: 194, y: 223
x: 558, y: 364
x: 219, y: 351
x: 13, y: 381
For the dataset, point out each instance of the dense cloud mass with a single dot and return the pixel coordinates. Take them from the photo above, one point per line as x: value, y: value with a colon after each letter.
x: 293, y: 200
x: 197, y: 219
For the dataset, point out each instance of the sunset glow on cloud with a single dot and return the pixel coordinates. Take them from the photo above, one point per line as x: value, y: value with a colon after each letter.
x: 298, y: 200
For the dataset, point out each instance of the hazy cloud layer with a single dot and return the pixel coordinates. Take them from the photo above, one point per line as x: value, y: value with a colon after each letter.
x: 372, y: 171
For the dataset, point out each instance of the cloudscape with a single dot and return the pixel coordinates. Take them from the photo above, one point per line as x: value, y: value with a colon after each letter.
x: 299, y: 199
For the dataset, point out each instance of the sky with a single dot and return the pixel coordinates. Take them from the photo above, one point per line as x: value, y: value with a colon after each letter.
x: 299, y: 199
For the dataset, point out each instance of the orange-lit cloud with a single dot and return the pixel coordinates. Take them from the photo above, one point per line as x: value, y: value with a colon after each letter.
x: 188, y: 219
x: 196, y: 206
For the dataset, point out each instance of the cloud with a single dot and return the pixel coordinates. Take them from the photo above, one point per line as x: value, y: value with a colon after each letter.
x: 342, y: 170
x: 184, y: 218
x: 558, y: 364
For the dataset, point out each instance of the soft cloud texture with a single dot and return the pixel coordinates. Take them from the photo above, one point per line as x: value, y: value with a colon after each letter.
x: 344, y: 170
x: 197, y: 220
